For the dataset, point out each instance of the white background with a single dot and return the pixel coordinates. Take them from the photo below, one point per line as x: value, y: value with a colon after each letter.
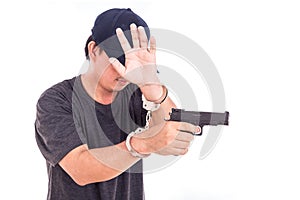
x: 255, y: 46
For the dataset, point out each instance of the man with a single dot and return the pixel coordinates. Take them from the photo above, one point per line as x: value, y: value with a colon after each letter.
x: 94, y: 129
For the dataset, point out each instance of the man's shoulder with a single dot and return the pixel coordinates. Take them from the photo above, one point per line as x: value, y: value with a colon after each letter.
x: 61, y: 90
x: 63, y: 86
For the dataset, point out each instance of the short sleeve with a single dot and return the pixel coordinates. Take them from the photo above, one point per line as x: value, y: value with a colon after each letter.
x: 55, y: 130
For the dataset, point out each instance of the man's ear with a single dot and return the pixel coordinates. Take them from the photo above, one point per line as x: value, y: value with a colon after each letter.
x: 92, y: 48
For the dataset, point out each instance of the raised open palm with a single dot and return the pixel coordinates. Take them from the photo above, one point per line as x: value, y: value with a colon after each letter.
x: 140, y: 65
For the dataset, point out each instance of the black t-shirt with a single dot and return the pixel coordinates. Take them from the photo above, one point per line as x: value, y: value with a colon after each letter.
x: 68, y: 117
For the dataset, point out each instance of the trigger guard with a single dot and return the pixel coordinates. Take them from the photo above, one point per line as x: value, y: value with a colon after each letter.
x: 199, y: 132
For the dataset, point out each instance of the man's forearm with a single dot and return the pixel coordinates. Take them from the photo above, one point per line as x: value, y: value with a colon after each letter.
x: 87, y: 166
x: 156, y: 93
x: 162, y: 113
x: 116, y: 157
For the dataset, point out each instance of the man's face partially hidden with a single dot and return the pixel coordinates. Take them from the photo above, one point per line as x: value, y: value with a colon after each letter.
x: 108, y: 78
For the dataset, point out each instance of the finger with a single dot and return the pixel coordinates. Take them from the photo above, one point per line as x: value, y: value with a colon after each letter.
x: 178, y: 152
x: 184, y: 136
x: 123, y: 40
x: 135, y: 36
x: 198, y: 130
x: 152, y: 45
x: 173, y: 151
x: 143, y: 37
x: 118, y: 66
x: 180, y: 144
x: 190, y: 128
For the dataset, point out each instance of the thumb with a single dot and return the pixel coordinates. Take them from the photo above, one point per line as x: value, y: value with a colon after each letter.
x: 118, y: 66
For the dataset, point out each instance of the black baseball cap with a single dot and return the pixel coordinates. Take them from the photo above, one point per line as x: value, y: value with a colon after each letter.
x: 104, y: 30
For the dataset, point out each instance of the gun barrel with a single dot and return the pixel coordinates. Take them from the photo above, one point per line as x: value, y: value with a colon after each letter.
x: 200, y: 118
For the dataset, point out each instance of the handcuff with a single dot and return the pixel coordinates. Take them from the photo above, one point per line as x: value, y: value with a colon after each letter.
x: 150, y: 107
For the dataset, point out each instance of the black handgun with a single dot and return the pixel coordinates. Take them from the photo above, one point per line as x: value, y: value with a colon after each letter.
x: 199, y: 118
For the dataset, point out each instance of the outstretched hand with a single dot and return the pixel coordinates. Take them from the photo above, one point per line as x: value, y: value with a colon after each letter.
x: 140, y: 60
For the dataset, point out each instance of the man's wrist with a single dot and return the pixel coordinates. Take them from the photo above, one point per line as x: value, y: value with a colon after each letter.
x: 139, y: 145
x: 163, y: 96
x: 155, y: 93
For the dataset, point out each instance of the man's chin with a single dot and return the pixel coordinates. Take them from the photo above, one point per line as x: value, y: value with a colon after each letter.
x: 120, y: 87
